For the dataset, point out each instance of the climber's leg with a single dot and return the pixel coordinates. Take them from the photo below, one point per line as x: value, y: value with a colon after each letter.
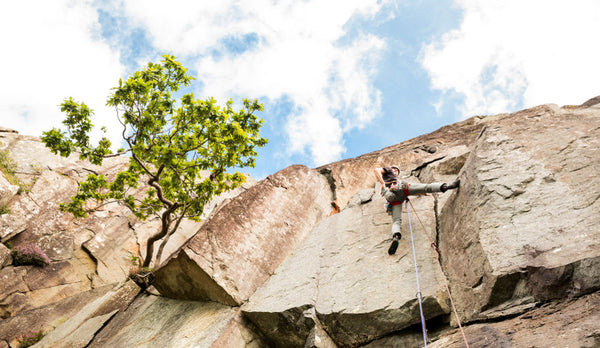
x: 396, y: 218
x: 415, y: 189
x: 396, y: 227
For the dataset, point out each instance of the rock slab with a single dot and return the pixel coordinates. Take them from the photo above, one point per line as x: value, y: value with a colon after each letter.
x: 153, y: 321
x: 246, y: 240
x: 341, y: 280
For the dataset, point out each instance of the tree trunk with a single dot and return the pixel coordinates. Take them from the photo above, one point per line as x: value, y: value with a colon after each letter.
x: 164, y: 228
x: 168, y: 236
x: 150, y: 246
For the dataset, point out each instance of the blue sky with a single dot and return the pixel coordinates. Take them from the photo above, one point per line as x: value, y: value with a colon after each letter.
x: 338, y: 79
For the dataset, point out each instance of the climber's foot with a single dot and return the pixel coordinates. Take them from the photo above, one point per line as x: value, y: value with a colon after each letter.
x: 452, y: 186
x: 394, y: 245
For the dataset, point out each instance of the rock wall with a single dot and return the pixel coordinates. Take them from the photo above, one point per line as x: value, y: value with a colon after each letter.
x: 524, y: 227
x: 241, y: 246
x: 86, y: 254
x: 518, y: 246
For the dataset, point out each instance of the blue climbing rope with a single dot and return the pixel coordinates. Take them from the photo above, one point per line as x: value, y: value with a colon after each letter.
x: 417, y: 272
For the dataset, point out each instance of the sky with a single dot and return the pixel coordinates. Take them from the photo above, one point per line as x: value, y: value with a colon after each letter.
x: 337, y: 78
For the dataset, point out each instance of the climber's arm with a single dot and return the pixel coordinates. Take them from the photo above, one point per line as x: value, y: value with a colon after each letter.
x: 378, y: 172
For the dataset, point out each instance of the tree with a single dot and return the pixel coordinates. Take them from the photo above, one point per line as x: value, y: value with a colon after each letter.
x: 168, y: 144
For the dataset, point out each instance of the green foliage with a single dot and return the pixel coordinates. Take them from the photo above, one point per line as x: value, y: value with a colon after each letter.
x: 79, y: 124
x: 31, y: 338
x: 4, y: 209
x: 134, y: 260
x: 170, y: 144
x: 8, y: 167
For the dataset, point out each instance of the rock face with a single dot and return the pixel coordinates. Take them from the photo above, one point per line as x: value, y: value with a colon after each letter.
x: 52, y: 315
x: 238, y: 249
x: 80, y: 329
x: 524, y: 227
x: 572, y: 323
x: 347, y: 282
x: 86, y: 254
x: 518, y: 246
x: 154, y: 321
x: 416, y: 157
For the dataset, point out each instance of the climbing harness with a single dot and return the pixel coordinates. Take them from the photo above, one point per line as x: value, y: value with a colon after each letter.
x: 444, y: 278
x: 403, y: 185
x: 412, y: 239
x: 405, y: 190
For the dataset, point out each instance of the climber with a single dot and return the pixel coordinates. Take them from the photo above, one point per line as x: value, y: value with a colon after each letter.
x: 396, y: 191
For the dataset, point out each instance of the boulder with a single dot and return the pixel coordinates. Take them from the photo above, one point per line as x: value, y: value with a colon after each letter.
x: 162, y: 322
x: 523, y: 227
x: 246, y: 240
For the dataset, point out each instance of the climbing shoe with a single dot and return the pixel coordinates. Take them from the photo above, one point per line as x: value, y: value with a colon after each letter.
x: 394, y: 245
x: 452, y: 186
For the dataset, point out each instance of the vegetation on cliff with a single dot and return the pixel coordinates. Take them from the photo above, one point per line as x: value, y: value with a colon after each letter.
x: 170, y: 145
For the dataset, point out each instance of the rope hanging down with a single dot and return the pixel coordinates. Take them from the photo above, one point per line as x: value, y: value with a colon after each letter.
x: 444, y: 278
x: 417, y: 272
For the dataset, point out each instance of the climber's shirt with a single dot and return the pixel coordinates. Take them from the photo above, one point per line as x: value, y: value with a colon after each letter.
x: 388, y: 176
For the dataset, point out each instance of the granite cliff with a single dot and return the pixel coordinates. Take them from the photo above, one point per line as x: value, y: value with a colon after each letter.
x: 273, y: 264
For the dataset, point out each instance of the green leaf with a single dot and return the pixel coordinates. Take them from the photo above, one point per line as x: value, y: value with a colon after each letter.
x: 171, y: 143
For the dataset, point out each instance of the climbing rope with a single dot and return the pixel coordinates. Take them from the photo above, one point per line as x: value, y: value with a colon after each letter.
x: 462, y: 331
x: 417, y: 272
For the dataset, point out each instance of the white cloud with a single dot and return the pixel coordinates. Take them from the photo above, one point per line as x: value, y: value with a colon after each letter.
x: 507, y: 53
x: 297, y: 57
x: 322, y: 134
x: 53, y: 50
x: 302, y: 55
